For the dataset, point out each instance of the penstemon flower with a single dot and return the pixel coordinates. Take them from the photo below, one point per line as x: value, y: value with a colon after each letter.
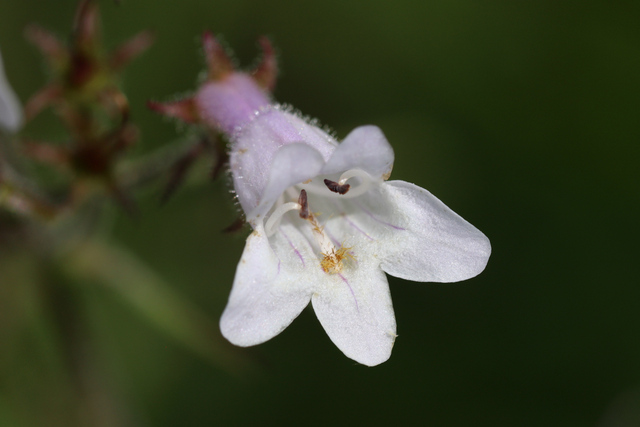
x: 10, y: 109
x: 327, y: 223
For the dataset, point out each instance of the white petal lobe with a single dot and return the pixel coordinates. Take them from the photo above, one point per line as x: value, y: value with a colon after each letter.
x: 437, y: 245
x: 292, y: 164
x: 264, y: 299
x: 354, y: 307
x: 364, y: 148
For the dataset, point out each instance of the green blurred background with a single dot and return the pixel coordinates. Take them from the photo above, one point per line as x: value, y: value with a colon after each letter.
x: 521, y: 116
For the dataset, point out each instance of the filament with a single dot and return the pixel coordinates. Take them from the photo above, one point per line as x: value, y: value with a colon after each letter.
x: 277, y: 214
x: 363, y: 187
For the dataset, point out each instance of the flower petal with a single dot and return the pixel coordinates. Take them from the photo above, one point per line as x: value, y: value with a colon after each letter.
x: 264, y: 299
x: 437, y: 245
x: 255, y: 145
x: 292, y: 164
x: 236, y: 89
x: 10, y: 109
x: 364, y: 148
x: 354, y: 308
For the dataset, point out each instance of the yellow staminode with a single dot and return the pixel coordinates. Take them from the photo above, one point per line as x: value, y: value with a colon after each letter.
x: 332, y: 262
x: 332, y: 258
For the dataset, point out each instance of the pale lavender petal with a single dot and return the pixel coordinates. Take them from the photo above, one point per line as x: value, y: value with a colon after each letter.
x: 254, y: 148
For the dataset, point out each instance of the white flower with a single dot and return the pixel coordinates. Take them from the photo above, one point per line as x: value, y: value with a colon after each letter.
x: 10, y: 109
x: 327, y: 226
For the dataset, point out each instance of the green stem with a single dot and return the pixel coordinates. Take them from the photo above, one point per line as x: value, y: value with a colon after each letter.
x: 155, y: 300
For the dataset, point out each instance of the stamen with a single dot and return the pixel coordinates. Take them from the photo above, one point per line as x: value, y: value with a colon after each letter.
x: 325, y: 243
x: 302, y: 201
x: 340, y: 189
x: 332, y: 257
x: 335, y: 187
x: 332, y: 262
x: 275, y: 217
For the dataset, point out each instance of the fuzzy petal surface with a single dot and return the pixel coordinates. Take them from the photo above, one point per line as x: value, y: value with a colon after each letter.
x: 230, y: 102
x: 255, y: 145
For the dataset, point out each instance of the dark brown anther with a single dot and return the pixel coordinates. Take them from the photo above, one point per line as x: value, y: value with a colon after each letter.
x: 302, y: 201
x: 336, y: 187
